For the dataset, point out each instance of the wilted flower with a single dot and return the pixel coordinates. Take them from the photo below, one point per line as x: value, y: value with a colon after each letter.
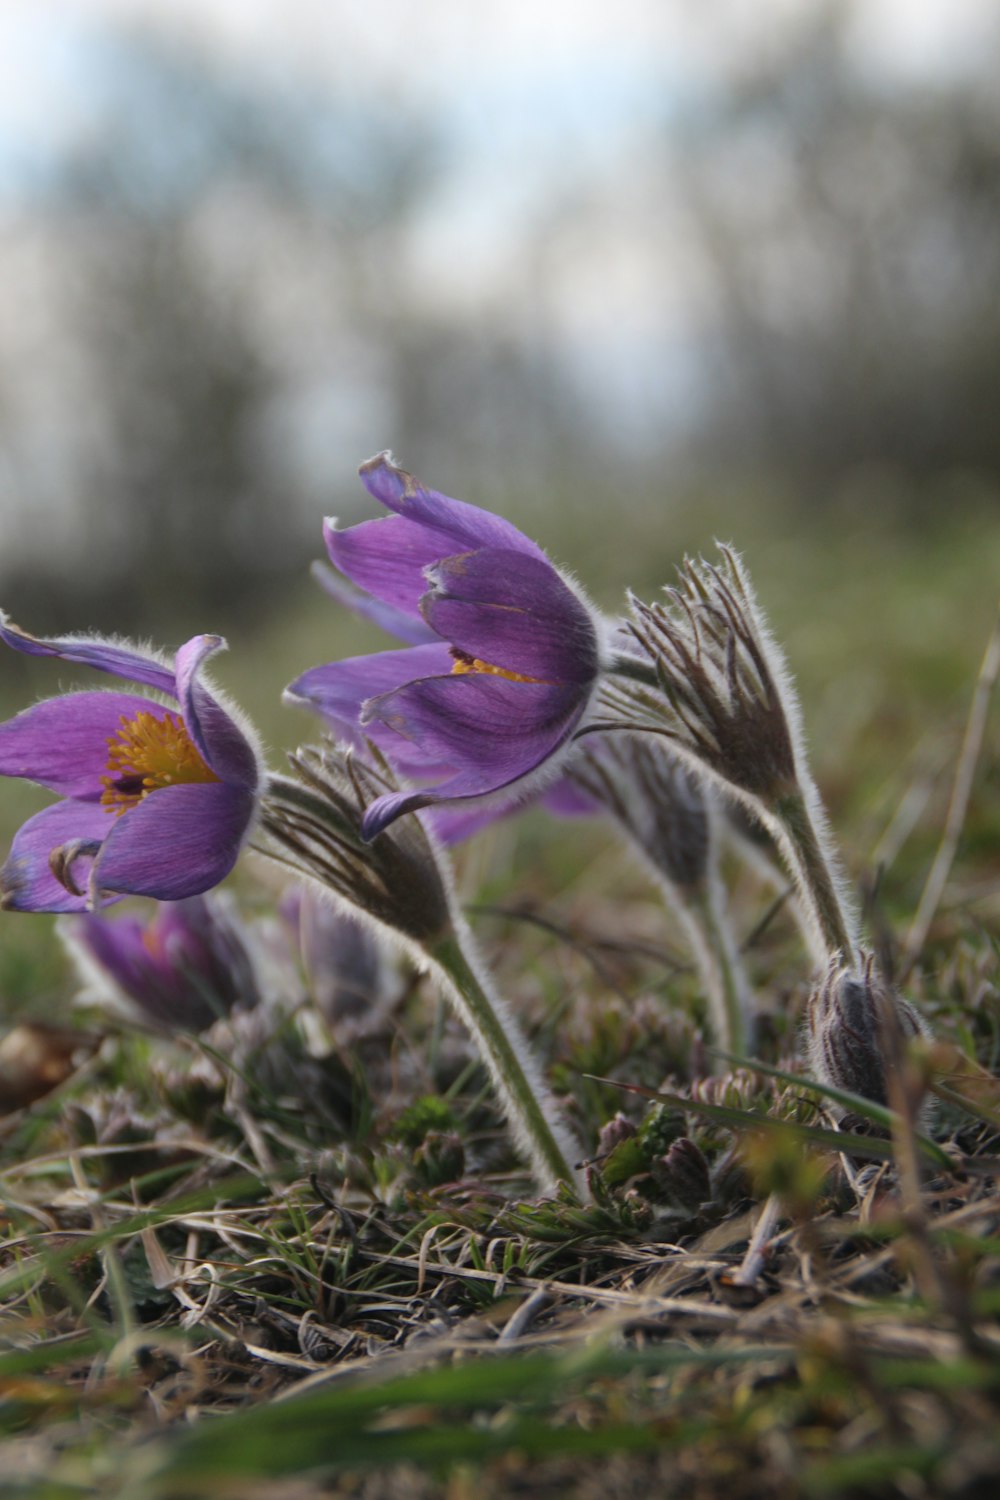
x: 181, y: 971
x: 511, y: 658
x: 157, y: 801
x: 854, y: 1023
x: 715, y: 683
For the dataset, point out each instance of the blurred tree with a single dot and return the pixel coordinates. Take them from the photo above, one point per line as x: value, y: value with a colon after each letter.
x: 207, y: 250
x: 853, y: 233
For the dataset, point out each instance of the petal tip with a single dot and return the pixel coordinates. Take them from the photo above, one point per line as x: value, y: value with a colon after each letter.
x: 386, y: 482
x: 383, y: 460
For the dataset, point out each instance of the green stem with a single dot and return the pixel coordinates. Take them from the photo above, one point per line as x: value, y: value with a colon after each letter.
x: 530, y: 1108
x: 722, y: 970
x: 795, y: 832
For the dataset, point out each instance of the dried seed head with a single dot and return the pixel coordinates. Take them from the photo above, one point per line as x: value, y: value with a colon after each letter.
x: 313, y: 825
x: 854, y: 1024
x: 653, y: 799
x: 723, y: 694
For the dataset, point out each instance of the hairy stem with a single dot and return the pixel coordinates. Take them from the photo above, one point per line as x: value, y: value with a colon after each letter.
x: 790, y: 822
x: 529, y: 1106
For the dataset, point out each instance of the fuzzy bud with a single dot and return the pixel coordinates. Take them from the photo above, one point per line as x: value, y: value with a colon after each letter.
x: 313, y: 825
x: 191, y: 963
x: 722, y: 693
x: 682, y: 1173
x: 613, y: 1132
x: 854, y: 1023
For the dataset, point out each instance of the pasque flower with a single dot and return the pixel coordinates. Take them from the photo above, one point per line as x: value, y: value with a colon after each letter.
x: 159, y: 793
x: 182, y: 970
x: 506, y: 653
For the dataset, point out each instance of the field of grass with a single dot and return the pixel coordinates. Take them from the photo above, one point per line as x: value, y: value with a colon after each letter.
x: 301, y: 1257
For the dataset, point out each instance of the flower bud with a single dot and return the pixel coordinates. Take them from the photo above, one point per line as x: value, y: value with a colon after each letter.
x: 854, y: 1024
x: 682, y: 1174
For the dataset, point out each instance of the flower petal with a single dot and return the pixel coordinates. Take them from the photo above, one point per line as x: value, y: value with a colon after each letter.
x: 495, y: 732
x: 514, y: 612
x: 93, y: 651
x: 454, y: 823
x: 179, y: 841
x: 397, y: 622
x: 62, y: 743
x: 387, y: 558
x: 117, y: 949
x: 222, y: 744
x: 339, y: 689
x: 464, y: 526
x: 26, y: 879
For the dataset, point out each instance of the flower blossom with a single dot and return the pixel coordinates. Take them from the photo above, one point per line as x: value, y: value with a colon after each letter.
x: 157, y: 800
x: 191, y: 964
x: 505, y: 659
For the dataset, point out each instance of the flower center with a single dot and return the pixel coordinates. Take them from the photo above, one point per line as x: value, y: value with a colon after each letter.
x: 465, y: 663
x: 146, y: 753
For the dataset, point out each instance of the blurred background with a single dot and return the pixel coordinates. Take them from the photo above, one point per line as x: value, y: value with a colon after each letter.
x: 638, y: 274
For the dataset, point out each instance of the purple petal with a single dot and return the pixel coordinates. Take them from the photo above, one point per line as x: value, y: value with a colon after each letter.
x: 464, y: 526
x: 179, y: 841
x: 221, y: 743
x: 403, y: 625
x: 494, y: 731
x: 62, y: 743
x: 454, y: 824
x: 93, y: 651
x: 117, y: 947
x: 514, y: 612
x: 339, y: 689
x: 387, y: 558
x: 26, y: 880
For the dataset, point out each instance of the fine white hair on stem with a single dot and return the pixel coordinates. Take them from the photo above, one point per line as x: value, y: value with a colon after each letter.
x: 459, y: 983
x: 402, y: 884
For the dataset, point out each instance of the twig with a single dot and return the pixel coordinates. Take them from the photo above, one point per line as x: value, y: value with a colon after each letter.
x: 749, y: 1269
x: 959, y: 804
x: 521, y: 1320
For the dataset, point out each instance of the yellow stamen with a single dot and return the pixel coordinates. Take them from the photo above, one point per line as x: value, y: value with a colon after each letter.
x: 147, y: 753
x: 465, y: 663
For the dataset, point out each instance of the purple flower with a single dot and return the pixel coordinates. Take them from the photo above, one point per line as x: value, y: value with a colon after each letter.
x: 157, y: 801
x: 506, y: 656
x: 181, y: 971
